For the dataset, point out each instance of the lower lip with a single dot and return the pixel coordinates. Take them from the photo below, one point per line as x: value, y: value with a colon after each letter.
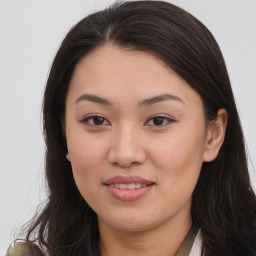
x: 128, y: 194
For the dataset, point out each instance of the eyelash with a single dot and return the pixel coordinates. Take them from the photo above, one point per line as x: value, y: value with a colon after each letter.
x: 167, y: 120
x: 87, y: 120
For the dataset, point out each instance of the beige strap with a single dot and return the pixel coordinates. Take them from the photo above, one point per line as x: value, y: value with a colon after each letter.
x: 187, y: 244
x: 23, y: 249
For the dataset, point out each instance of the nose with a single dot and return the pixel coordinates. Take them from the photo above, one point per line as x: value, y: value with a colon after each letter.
x: 126, y: 148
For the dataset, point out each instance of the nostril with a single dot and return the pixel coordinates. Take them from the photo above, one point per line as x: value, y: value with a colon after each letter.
x: 126, y: 158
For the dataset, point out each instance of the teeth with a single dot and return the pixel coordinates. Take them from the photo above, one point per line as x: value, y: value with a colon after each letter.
x: 137, y: 185
x: 128, y: 186
x: 123, y: 186
x: 131, y: 186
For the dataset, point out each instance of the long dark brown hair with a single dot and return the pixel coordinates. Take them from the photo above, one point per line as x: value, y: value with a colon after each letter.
x: 223, y: 205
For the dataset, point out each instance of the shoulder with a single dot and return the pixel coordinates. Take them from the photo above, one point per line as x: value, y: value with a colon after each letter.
x: 197, y: 245
x: 242, y: 244
x: 22, y: 248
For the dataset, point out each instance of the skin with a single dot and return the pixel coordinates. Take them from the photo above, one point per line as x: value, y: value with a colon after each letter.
x: 127, y: 141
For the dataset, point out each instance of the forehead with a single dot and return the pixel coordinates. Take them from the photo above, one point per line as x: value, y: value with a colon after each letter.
x: 117, y: 73
x: 113, y: 60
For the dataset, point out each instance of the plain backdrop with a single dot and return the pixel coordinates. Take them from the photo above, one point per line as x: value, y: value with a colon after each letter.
x: 30, y: 33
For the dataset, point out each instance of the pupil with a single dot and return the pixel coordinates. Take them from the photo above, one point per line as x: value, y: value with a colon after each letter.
x: 98, y: 120
x: 158, y: 120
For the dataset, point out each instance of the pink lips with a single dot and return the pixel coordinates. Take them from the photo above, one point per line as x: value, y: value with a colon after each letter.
x: 128, y: 194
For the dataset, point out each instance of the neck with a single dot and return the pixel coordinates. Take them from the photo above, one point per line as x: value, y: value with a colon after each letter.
x: 163, y: 240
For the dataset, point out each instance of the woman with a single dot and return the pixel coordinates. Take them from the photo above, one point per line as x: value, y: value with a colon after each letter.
x: 145, y: 152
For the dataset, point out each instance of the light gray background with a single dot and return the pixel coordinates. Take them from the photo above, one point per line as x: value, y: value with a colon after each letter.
x: 30, y: 33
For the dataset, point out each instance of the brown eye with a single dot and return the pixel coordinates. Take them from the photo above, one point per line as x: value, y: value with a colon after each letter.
x: 95, y: 121
x: 159, y: 121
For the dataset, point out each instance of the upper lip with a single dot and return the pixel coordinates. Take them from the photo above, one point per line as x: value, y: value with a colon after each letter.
x: 127, y: 180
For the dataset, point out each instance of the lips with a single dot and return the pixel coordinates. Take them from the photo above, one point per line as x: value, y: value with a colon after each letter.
x: 128, y: 187
x: 127, y: 180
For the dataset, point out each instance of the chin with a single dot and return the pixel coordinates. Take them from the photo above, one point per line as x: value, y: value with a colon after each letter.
x: 133, y: 227
x: 132, y: 223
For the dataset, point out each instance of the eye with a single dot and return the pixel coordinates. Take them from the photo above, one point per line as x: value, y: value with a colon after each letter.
x: 95, y: 121
x: 159, y: 121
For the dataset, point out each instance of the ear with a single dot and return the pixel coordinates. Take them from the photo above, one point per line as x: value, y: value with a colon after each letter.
x: 215, y: 136
x: 68, y: 157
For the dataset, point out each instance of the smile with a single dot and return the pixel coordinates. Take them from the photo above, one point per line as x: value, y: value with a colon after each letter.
x: 128, y: 186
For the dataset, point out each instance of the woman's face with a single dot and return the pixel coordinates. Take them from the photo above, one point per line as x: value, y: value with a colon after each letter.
x: 136, y: 137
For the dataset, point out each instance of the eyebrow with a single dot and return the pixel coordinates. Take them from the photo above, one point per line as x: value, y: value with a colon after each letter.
x: 160, y: 98
x: 146, y: 102
x: 94, y: 98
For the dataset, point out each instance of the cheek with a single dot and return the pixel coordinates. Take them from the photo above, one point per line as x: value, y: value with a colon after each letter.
x: 86, y: 152
x: 86, y: 157
x: 179, y: 160
x: 178, y: 166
